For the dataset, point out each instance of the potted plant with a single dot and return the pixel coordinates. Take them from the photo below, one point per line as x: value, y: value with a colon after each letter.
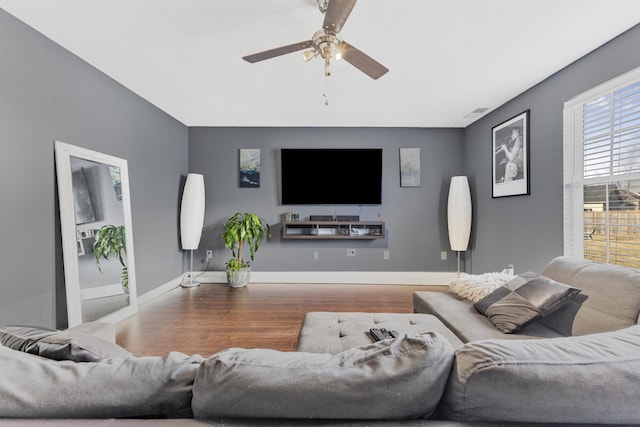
x: 110, y: 239
x: 241, y: 230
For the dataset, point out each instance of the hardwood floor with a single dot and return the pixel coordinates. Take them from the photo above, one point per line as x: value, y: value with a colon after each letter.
x: 212, y: 317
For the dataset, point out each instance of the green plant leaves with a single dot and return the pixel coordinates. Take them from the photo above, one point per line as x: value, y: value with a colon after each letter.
x: 241, y: 229
x: 111, y: 239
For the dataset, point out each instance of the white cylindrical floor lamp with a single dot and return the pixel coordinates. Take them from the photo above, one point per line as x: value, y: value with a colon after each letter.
x: 459, y: 215
x: 192, y: 218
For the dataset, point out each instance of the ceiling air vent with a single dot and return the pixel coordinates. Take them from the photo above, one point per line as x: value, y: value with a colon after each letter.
x: 476, y: 113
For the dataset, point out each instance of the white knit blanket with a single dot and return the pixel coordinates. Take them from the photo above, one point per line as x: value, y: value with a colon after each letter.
x: 474, y: 287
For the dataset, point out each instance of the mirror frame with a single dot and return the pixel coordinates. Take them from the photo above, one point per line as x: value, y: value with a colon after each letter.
x: 63, y: 154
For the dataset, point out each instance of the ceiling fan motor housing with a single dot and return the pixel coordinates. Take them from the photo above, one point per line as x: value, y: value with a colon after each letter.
x: 326, y: 43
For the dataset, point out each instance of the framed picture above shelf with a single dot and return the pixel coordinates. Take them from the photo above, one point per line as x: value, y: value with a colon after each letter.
x: 364, y: 230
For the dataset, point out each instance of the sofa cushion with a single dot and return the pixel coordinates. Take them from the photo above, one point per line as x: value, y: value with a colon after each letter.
x: 524, y: 300
x: 586, y: 379
x: 59, y: 345
x: 612, y: 296
x: 459, y: 315
x: 104, y: 330
x: 391, y: 379
x: 36, y: 387
x: 335, y: 332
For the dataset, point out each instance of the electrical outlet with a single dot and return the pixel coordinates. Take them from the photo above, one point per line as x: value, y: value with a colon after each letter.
x: 351, y: 252
x: 443, y: 255
x: 315, y: 255
x: 209, y: 254
x: 385, y: 255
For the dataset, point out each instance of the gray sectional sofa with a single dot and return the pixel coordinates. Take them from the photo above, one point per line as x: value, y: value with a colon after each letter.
x: 574, y: 363
x: 579, y: 364
x: 609, y: 300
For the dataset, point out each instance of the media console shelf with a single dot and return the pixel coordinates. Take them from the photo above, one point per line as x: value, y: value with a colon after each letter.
x: 361, y: 230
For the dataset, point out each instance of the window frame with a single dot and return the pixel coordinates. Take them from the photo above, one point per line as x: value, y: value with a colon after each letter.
x: 573, y: 161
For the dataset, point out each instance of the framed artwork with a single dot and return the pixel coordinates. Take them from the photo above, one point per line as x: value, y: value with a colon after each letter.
x: 249, y: 167
x: 510, y: 157
x: 409, y: 167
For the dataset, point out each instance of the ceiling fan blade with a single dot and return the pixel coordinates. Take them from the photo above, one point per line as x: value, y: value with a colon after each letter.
x: 362, y: 62
x: 337, y: 13
x: 282, y: 50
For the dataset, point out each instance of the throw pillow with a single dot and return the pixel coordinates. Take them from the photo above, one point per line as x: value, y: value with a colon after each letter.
x: 59, y: 345
x: 21, y: 337
x: 391, y: 379
x: 474, y: 287
x: 524, y: 300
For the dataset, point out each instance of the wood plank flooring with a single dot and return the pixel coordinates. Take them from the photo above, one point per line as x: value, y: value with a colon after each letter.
x: 212, y: 317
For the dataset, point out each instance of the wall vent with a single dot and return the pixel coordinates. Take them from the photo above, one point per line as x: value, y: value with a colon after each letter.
x: 476, y: 113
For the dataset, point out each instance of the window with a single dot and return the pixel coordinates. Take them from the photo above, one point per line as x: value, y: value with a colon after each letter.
x: 602, y: 172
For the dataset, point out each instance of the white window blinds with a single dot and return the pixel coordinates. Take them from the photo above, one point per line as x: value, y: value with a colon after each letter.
x: 602, y: 172
x: 610, y: 133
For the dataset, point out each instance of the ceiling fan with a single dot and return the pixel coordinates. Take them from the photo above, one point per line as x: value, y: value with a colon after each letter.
x: 326, y: 43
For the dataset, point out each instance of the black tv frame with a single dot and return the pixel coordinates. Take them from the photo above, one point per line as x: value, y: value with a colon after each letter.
x: 331, y: 176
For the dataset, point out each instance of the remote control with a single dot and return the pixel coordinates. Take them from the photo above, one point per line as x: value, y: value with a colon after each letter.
x: 379, y: 334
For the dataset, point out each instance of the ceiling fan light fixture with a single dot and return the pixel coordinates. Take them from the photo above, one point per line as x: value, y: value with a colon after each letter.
x: 308, y: 55
x: 327, y: 67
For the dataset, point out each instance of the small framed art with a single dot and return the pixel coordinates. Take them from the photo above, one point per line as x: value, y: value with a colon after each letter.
x: 250, y: 167
x: 510, y: 157
x: 409, y: 167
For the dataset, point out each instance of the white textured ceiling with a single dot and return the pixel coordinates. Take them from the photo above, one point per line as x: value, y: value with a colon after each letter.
x: 446, y: 57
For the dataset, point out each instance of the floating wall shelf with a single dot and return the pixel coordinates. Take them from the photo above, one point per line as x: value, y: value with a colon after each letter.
x: 335, y: 230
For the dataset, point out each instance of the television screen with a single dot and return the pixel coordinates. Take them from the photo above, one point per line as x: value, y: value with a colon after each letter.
x: 338, y: 176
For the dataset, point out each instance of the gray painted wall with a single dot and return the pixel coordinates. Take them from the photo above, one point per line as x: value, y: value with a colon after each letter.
x: 527, y: 230
x: 47, y: 94
x: 415, y: 217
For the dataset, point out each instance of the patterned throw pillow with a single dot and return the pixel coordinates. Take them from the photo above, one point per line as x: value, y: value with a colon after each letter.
x: 474, y: 287
x: 524, y: 300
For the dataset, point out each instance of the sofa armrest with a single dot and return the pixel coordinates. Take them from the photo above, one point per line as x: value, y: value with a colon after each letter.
x: 37, y: 387
x: 466, y: 323
x: 586, y: 379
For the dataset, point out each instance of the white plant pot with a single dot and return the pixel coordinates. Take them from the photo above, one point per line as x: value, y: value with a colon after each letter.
x: 239, y: 278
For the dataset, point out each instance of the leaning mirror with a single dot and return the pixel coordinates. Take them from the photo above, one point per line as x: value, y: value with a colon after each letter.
x: 97, y: 238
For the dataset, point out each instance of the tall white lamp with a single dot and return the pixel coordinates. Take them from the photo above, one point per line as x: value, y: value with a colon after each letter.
x: 459, y: 215
x: 192, y: 218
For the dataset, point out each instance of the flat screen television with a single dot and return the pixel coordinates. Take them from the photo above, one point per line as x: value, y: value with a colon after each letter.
x: 331, y: 176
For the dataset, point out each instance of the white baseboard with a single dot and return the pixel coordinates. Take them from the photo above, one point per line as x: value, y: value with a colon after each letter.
x: 148, y: 296
x: 424, y: 278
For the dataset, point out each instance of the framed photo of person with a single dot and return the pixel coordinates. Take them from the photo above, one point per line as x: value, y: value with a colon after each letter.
x: 510, y: 157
